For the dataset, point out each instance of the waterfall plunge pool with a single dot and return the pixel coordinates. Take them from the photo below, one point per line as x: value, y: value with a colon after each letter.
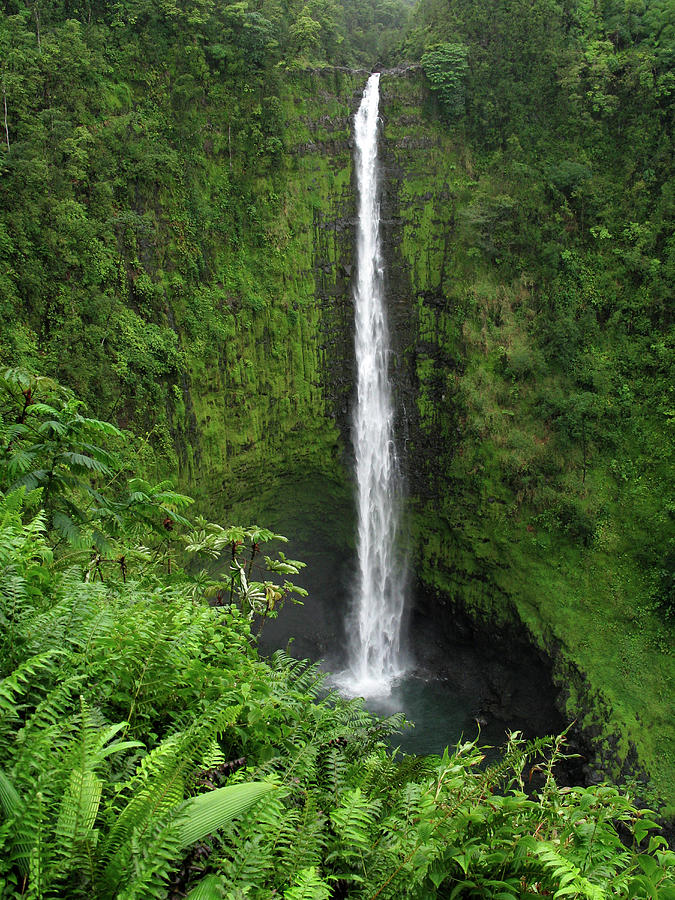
x: 455, y: 686
x: 437, y: 715
x: 457, y: 674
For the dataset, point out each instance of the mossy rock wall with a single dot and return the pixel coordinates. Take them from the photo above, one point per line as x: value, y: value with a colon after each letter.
x: 268, y: 411
x: 271, y: 398
x: 486, y: 469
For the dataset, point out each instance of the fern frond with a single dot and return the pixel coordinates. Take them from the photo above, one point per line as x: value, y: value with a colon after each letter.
x: 25, y: 678
x: 353, y: 821
x: 308, y: 886
x: 209, y: 888
x: 334, y: 768
x: 208, y: 812
x: 12, y: 807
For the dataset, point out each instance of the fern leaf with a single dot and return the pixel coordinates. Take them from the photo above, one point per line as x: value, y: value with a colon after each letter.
x: 12, y: 806
x: 65, y: 526
x: 79, y: 808
x: 206, y: 813
x: 42, y: 409
x: 30, y: 480
x: 353, y: 821
x: 80, y: 462
x: 209, y: 888
x: 106, y: 428
x: 308, y: 886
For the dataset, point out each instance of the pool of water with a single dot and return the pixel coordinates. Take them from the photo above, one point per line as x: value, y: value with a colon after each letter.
x: 439, y: 716
x: 453, y: 691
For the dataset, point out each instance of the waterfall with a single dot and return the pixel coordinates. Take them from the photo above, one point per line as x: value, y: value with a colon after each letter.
x: 375, y: 624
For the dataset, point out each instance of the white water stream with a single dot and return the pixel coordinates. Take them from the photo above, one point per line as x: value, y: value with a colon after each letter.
x: 375, y: 627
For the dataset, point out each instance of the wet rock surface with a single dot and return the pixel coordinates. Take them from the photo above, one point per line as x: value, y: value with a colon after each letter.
x: 507, y: 681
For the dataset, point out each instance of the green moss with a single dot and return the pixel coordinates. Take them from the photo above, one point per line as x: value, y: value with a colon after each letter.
x: 256, y: 389
x: 523, y: 523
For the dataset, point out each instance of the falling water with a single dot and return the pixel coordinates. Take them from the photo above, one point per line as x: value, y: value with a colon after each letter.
x: 378, y: 608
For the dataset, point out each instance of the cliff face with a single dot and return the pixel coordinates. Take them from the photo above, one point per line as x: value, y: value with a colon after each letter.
x: 271, y: 400
x: 511, y: 522
x: 267, y: 435
x: 429, y: 184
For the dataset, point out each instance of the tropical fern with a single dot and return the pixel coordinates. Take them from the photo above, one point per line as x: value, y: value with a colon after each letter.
x: 308, y: 886
x: 353, y: 822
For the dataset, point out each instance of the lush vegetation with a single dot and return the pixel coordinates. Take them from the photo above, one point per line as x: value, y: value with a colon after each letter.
x: 174, y: 245
x: 563, y: 232
x: 147, y: 216
x: 146, y: 750
x: 541, y: 486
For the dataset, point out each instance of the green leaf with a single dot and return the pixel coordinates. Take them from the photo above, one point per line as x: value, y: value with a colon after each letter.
x: 283, y: 568
x: 648, y: 865
x: 12, y: 806
x: 667, y: 892
x: 42, y: 409
x: 208, y: 812
x: 308, y: 886
x: 81, y: 461
x: 102, y: 544
x: 65, y: 526
x: 52, y: 426
x: 79, y: 806
x: 9, y: 797
x: 106, y: 428
x: 30, y: 481
x: 209, y: 888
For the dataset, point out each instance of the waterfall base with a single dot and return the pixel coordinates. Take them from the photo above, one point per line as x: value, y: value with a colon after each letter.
x: 462, y: 682
x: 355, y: 684
x: 461, y: 672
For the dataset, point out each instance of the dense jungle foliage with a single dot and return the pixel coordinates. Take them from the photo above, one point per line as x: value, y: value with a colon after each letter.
x: 147, y: 751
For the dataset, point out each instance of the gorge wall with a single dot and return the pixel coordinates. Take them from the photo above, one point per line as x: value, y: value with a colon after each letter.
x: 508, y: 525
